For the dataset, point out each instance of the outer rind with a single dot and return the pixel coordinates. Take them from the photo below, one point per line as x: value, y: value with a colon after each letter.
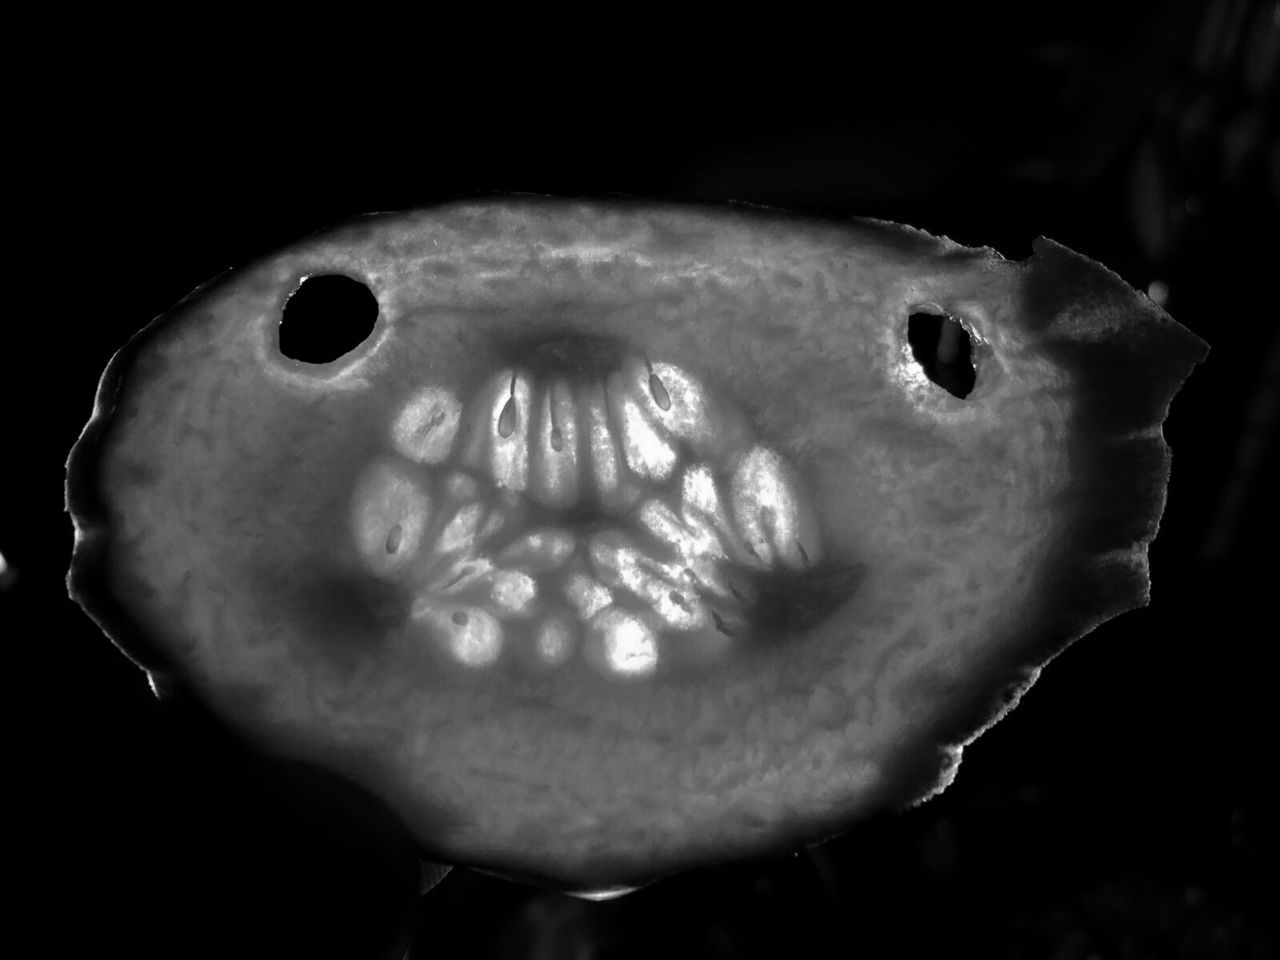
x: 1133, y: 358
x: 99, y: 574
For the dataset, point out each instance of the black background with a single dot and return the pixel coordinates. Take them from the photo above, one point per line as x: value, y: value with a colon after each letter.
x: 1118, y: 812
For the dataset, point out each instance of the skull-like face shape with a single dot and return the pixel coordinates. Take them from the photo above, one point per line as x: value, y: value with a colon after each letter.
x: 628, y: 539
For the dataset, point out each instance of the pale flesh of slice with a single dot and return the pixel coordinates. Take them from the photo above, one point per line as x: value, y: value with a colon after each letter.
x: 632, y: 538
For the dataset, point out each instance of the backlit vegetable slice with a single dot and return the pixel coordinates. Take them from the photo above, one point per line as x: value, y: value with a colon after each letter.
x: 631, y: 538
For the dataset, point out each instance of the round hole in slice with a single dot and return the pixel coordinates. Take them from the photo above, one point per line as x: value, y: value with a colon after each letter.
x: 325, y: 318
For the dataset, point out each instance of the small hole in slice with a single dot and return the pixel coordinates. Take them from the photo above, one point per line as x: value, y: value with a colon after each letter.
x: 326, y: 317
x: 942, y: 348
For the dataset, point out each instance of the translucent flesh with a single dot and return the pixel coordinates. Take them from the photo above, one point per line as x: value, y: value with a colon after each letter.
x: 632, y: 538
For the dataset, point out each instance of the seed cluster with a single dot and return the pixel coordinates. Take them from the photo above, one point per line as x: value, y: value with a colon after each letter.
x: 692, y: 508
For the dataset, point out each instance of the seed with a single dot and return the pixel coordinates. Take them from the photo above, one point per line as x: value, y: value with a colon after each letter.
x: 507, y: 419
x: 659, y: 392
x: 656, y: 389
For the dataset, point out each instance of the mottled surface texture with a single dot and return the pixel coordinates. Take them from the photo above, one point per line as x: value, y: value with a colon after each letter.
x: 632, y: 537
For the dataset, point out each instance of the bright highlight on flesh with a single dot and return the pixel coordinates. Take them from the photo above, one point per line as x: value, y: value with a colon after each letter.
x: 389, y: 515
x: 425, y: 429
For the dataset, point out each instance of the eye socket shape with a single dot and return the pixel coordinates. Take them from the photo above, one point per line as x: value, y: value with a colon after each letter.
x: 325, y: 318
x: 942, y: 347
x: 633, y: 539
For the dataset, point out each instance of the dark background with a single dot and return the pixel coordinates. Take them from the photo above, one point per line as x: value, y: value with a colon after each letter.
x: 1118, y: 812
